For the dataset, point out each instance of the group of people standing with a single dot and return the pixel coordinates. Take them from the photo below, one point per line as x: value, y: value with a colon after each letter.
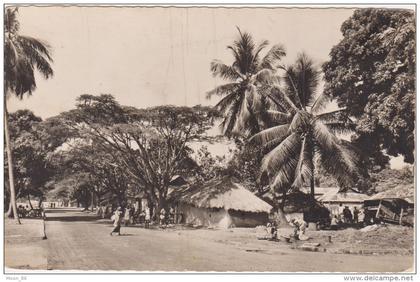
x: 126, y: 216
x: 345, y: 216
x: 130, y: 215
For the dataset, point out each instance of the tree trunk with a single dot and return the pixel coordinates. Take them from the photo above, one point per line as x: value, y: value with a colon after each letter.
x: 10, y: 164
x: 10, y: 210
x: 29, y: 200
x: 313, y: 185
x: 92, y: 202
x: 312, y: 172
x: 162, y: 204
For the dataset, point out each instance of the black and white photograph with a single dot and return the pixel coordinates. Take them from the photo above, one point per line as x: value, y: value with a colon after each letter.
x: 209, y: 139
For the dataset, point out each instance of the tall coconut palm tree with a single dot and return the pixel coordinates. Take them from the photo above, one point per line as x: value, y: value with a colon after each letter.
x: 248, y: 72
x: 22, y: 55
x: 302, y: 133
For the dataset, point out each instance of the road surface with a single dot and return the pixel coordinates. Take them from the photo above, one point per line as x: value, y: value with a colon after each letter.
x: 76, y: 241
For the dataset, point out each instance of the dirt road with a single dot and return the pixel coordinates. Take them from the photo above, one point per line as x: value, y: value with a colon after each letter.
x: 77, y: 241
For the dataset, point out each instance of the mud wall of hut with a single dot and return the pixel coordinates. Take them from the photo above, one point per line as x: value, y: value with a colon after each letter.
x: 248, y: 219
x: 220, y: 218
x: 205, y: 217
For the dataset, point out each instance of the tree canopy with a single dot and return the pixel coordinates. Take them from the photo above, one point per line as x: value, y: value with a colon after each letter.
x: 31, y: 152
x: 144, y: 148
x: 371, y: 72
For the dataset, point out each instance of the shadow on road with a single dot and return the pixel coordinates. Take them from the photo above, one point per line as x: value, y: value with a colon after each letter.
x: 63, y: 210
x: 71, y: 218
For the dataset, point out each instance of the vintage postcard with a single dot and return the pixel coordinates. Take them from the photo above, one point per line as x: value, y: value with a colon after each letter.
x: 209, y: 138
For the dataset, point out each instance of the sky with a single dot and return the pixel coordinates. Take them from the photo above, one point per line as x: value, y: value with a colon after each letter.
x: 148, y: 56
x: 153, y: 56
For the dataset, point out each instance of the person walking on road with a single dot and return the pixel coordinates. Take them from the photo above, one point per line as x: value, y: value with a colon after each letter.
x: 146, y: 217
x: 127, y: 215
x: 117, y: 217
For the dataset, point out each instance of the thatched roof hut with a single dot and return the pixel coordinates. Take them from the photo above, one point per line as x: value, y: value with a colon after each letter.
x: 221, y: 202
x: 225, y: 193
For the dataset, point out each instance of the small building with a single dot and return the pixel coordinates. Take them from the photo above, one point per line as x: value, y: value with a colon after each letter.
x: 334, y: 199
x: 221, y: 203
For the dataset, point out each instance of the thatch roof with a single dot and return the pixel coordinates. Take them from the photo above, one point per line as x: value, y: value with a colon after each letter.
x: 223, y: 193
x: 400, y: 191
x: 345, y: 197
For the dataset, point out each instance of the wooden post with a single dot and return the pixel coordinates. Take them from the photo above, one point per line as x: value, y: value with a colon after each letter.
x: 401, y: 216
x: 379, y: 208
x: 44, y: 217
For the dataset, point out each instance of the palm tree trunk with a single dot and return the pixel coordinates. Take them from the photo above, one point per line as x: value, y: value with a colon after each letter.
x: 10, y: 210
x: 312, y: 171
x: 312, y: 184
x: 10, y: 164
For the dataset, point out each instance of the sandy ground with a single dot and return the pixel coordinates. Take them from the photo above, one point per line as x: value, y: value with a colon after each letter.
x: 24, y: 247
x: 77, y: 241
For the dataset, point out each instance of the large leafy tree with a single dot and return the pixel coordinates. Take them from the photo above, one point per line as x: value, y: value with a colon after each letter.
x: 241, y: 104
x: 150, y: 145
x: 371, y: 72
x: 302, y: 133
x: 99, y: 174
x: 22, y: 55
x: 32, y: 167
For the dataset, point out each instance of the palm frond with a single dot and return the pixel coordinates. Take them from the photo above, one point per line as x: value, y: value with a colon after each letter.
x: 323, y: 136
x: 277, y: 133
x: 339, y: 115
x: 307, y: 79
x: 260, y: 47
x: 224, y: 89
x: 244, y: 112
x: 244, y: 52
x: 11, y: 24
x: 265, y: 76
x: 273, y: 57
x: 231, y: 115
x: 254, y: 99
x: 320, y: 103
x: 224, y: 71
x: 10, y: 54
x: 22, y: 79
x: 301, y: 122
x: 36, y: 59
x: 275, y: 159
x: 340, y: 162
x: 278, y: 117
x: 341, y: 127
x: 281, y: 99
x: 36, y: 44
x: 291, y: 87
x: 284, y: 177
x: 225, y: 102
